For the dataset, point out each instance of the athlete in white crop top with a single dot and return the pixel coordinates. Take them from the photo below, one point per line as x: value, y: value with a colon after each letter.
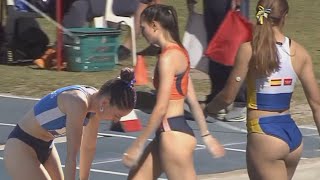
x: 274, y: 91
x: 74, y: 111
x: 271, y: 67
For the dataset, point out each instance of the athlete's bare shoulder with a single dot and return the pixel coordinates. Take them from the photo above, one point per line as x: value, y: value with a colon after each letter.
x: 74, y: 98
x: 299, y: 52
x: 299, y: 57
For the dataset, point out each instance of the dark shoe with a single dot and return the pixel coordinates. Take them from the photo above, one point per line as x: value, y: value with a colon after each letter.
x: 151, y: 50
x: 123, y: 53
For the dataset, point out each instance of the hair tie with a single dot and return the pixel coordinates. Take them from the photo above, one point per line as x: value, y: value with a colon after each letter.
x: 129, y: 83
x: 262, y: 12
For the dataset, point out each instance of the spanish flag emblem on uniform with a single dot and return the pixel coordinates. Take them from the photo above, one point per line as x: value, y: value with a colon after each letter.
x: 275, y: 82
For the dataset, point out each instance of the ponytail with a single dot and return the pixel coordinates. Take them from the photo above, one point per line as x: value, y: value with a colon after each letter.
x: 265, y: 58
x: 270, y: 13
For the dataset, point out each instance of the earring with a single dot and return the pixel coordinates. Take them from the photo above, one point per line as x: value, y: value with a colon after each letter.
x: 101, y: 109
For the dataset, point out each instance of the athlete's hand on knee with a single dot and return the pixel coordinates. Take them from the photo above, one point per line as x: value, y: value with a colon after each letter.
x: 213, y: 146
x: 131, y: 157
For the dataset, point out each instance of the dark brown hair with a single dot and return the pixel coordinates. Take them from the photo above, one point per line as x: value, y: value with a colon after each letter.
x: 265, y: 58
x: 166, y: 16
x: 121, y: 90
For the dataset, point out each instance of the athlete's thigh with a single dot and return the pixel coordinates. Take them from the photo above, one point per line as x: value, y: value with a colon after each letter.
x: 266, y: 170
x: 21, y: 161
x: 53, y: 165
x: 148, y: 167
x: 292, y: 160
x: 176, y: 152
x: 265, y: 157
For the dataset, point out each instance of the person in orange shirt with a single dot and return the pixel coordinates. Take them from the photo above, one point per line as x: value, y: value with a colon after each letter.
x: 173, y: 84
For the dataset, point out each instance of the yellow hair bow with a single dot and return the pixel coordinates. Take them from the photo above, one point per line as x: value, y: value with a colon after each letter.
x: 262, y: 13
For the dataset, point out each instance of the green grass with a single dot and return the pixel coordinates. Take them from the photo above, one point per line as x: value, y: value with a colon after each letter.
x: 302, y: 25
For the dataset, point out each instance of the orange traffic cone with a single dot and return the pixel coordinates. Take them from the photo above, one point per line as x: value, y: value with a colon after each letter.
x: 141, y: 73
x: 128, y: 123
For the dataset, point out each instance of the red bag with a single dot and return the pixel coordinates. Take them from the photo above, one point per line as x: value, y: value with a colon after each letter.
x: 233, y: 31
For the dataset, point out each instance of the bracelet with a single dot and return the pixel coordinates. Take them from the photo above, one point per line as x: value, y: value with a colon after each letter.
x: 208, y: 134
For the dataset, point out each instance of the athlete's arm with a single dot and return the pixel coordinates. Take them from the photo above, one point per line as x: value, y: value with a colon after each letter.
x: 196, y: 109
x: 211, y: 143
x: 310, y: 85
x: 237, y: 76
x: 88, y: 147
x: 75, y: 109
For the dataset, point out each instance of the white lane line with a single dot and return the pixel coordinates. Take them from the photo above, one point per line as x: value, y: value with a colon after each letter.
x: 237, y: 150
x: 100, y: 171
x: 199, y: 146
x: 228, y: 126
x: 223, y: 124
x: 18, y: 97
x: 104, y: 171
x: 126, y: 136
x: 108, y: 161
x: 62, y: 139
x: 308, y: 127
x: 237, y: 143
x: 56, y: 140
x: 309, y: 135
x: 119, y: 135
x: 6, y: 124
x: 229, y: 149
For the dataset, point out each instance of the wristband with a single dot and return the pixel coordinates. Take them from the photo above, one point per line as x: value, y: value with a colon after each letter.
x: 208, y: 134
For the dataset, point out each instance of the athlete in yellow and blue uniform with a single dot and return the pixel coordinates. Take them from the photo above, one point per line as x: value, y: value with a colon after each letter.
x: 273, y: 93
x: 271, y: 64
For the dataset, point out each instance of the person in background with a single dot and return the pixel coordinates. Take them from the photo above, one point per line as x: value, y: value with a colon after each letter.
x: 245, y: 8
x: 214, y: 13
x: 270, y: 65
x: 76, y: 14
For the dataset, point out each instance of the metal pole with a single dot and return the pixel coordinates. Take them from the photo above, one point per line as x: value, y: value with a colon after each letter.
x: 1, y: 15
x: 59, y: 34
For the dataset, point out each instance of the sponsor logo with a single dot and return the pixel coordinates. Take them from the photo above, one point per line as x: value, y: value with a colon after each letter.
x: 287, y: 82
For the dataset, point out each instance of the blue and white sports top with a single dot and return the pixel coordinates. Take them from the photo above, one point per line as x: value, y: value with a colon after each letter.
x: 48, y: 114
x: 274, y: 92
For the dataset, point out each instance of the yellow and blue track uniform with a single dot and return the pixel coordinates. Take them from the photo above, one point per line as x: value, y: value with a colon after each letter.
x: 273, y: 93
